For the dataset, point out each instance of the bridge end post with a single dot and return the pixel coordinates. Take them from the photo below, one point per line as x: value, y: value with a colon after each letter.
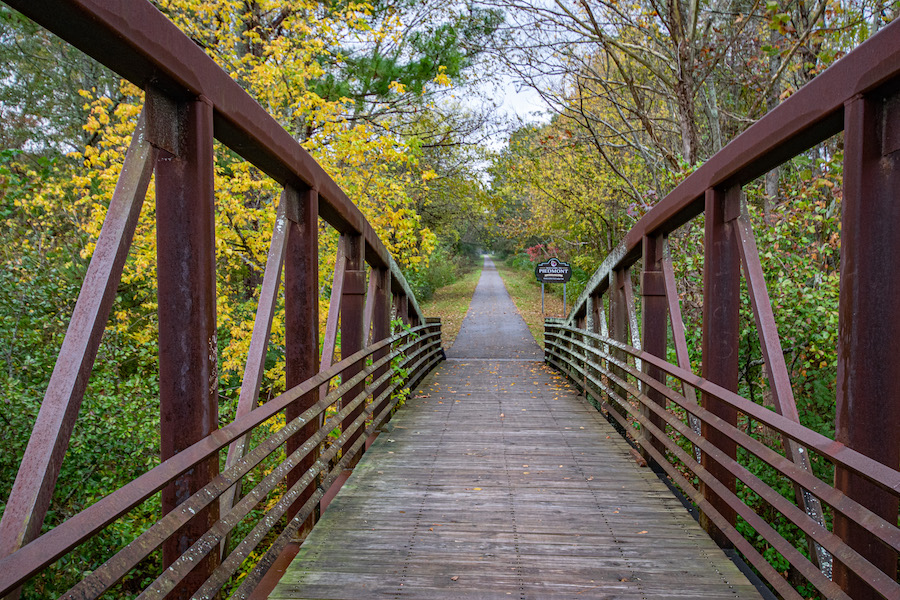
x: 186, y: 271
x: 353, y: 297
x: 721, y: 338
x: 301, y: 320
x: 868, y: 389
x: 654, y: 328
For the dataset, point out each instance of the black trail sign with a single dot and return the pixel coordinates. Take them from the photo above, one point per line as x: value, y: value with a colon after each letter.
x: 553, y: 271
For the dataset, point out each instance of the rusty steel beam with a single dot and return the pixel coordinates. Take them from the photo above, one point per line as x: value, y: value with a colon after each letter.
x: 868, y: 387
x: 32, y: 491
x: 401, y: 307
x: 369, y: 309
x: 618, y: 309
x: 381, y: 322
x: 332, y: 320
x: 776, y: 369
x: 808, y: 117
x: 654, y: 319
x: 254, y: 368
x: 188, y: 350
x: 678, y: 336
x: 301, y: 306
x: 721, y: 335
x: 139, y: 43
x: 399, y: 285
x: 353, y: 295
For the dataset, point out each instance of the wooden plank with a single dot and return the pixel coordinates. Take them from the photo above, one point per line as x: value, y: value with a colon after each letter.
x: 494, y: 481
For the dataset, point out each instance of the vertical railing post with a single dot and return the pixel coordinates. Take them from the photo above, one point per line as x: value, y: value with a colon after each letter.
x: 401, y: 308
x: 188, y: 376
x: 592, y: 324
x: 601, y: 326
x: 868, y: 388
x: 721, y: 331
x: 588, y: 325
x: 654, y: 328
x: 353, y: 299
x: 618, y: 329
x: 301, y: 326
x: 381, y: 326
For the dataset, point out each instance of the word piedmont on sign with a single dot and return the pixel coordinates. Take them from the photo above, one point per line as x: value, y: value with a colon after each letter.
x: 553, y: 271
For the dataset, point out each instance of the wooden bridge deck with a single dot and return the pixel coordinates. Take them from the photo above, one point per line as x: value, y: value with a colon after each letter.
x: 497, y: 481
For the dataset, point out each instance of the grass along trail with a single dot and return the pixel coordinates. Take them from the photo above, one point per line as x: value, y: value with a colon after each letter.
x: 451, y: 302
x: 526, y: 295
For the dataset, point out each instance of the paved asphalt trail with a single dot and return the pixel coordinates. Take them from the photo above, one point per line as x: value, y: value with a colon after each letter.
x: 492, y: 327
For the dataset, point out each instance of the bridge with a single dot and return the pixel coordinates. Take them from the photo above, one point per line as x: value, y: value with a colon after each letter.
x: 510, y: 471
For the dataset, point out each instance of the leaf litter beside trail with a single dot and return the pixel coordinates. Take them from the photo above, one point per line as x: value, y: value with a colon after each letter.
x: 450, y: 303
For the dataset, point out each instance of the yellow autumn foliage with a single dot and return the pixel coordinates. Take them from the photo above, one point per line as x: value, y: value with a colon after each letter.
x: 277, y: 65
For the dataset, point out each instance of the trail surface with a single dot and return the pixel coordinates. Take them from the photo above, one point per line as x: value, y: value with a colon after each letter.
x: 492, y: 327
x: 496, y: 480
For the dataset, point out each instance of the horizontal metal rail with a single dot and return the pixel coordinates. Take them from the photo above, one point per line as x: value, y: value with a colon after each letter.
x: 190, y: 102
x: 417, y: 349
x: 808, y: 117
x: 858, y: 95
x: 582, y: 356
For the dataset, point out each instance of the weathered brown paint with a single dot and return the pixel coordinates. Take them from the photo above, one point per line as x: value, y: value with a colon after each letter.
x: 381, y: 323
x: 721, y: 312
x: 868, y: 388
x: 353, y: 296
x: 334, y: 314
x: 188, y: 377
x: 776, y: 369
x: 401, y: 308
x: 654, y: 326
x: 254, y: 368
x: 30, y: 496
x: 618, y: 317
x: 301, y: 305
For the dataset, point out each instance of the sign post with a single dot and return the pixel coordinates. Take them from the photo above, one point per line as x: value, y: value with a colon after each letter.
x: 553, y: 271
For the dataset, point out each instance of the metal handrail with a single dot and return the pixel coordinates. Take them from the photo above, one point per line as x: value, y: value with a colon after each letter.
x: 185, y: 88
x: 43, y: 551
x: 580, y: 354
